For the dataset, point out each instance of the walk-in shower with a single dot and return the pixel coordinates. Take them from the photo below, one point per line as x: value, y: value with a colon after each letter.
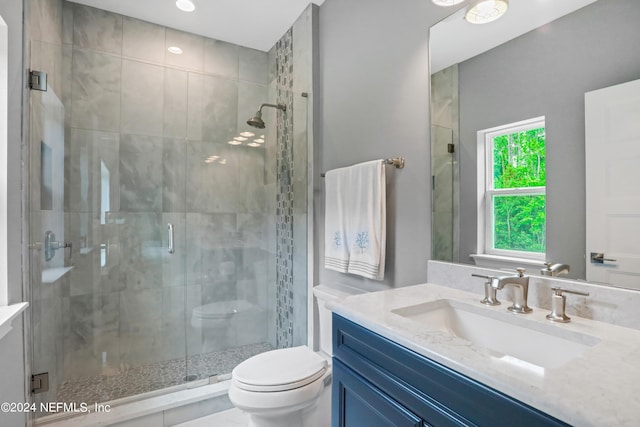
x: 175, y: 221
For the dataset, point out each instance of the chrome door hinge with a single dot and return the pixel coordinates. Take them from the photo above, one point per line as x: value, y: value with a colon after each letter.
x: 38, y: 80
x: 40, y: 383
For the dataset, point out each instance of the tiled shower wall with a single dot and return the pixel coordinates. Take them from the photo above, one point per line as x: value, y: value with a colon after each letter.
x: 444, y: 131
x: 142, y: 122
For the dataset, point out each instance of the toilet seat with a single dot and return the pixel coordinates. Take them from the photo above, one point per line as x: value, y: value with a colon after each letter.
x: 280, y: 370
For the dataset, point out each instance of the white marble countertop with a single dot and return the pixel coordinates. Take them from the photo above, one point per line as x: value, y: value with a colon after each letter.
x: 599, y: 388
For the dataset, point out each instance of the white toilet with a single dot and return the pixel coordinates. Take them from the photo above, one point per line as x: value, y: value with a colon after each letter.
x: 291, y: 386
x: 218, y: 318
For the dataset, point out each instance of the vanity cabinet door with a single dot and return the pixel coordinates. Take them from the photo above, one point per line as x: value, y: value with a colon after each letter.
x: 357, y: 403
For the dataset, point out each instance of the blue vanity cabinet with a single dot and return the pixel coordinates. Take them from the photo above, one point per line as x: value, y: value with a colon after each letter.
x: 377, y: 382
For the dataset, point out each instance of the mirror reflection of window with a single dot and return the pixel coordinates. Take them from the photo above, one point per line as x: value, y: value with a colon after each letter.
x: 513, y: 200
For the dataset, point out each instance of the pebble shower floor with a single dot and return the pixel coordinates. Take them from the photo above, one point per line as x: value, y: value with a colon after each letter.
x: 155, y: 376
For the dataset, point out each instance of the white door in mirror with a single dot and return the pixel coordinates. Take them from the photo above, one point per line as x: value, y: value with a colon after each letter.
x: 612, y: 154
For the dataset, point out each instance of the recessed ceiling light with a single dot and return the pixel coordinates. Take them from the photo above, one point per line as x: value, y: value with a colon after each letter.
x: 259, y: 140
x: 485, y: 11
x: 234, y: 142
x: 175, y: 50
x: 240, y: 138
x: 247, y: 134
x: 185, y: 5
x: 446, y: 2
x: 253, y: 144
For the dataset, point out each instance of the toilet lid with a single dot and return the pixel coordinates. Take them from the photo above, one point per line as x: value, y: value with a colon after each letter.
x: 280, y: 370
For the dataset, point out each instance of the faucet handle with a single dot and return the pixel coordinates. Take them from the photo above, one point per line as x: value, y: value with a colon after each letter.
x: 559, y: 302
x: 490, y: 292
x: 558, y: 291
x: 521, y: 271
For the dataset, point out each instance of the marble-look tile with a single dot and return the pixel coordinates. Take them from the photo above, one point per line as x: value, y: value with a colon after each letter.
x: 250, y: 180
x: 302, y: 52
x: 193, y: 261
x: 45, y: 19
x: 141, y: 327
x: 142, y: 98
x: 92, y: 167
x: 67, y: 82
x: 174, y: 184
x: 251, y: 327
x: 250, y: 97
x: 195, y: 106
x: 209, y: 194
x: 47, y: 57
x: 193, y: 336
x: 176, y: 92
x: 143, y: 40
x: 141, y: 250
x: 173, y: 322
x: 220, y: 106
x: 221, y: 58
x: 140, y: 173
x: 95, y: 91
x: 251, y: 230
x: 67, y: 22
x: 253, y: 65
x: 192, y: 46
x: 97, y: 29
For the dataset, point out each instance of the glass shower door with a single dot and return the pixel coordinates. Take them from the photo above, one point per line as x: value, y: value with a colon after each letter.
x: 107, y: 294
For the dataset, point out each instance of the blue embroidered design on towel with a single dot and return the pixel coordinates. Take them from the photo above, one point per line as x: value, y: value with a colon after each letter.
x: 362, y: 241
x: 337, y: 240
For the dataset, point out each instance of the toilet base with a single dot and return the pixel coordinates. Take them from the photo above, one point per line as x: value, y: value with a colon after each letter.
x: 316, y: 415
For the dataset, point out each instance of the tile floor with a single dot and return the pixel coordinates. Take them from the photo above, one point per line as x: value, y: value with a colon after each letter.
x: 229, y: 418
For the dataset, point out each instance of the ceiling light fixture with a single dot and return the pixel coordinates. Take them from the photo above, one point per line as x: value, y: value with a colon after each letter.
x: 185, y: 5
x: 259, y: 140
x: 175, y: 50
x: 446, y: 2
x: 253, y: 144
x: 485, y: 11
x: 240, y: 138
x: 247, y: 134
x: 234, y: 142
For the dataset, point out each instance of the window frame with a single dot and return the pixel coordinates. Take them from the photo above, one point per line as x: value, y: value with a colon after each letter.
x: 486, y: 191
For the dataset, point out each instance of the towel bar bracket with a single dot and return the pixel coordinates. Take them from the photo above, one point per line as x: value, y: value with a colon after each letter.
x: 398, y: 162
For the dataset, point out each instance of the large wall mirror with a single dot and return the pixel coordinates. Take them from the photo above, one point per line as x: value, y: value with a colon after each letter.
x: 537, y: 61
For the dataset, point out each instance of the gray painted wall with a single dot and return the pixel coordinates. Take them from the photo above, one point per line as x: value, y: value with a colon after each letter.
x: 548, y: 71
x: 11, y: 347
x: 375, y: 104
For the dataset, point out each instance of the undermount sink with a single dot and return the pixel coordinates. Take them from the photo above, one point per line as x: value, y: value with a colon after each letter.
x: 508, y: 337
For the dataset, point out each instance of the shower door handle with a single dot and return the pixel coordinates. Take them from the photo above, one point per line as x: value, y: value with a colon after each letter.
x: 170, y: 239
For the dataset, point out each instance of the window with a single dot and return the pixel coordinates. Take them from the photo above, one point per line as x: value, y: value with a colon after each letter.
x: 512, y: 188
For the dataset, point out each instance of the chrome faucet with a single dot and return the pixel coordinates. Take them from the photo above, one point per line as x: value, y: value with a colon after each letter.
x: 554, y: 269
x: 521, y: 283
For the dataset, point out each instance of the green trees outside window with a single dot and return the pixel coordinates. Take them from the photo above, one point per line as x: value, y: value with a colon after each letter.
x: 519, y: 217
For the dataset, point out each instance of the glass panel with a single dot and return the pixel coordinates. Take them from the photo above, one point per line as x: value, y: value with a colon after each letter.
x: 519, y: 223
x: 519, y: 159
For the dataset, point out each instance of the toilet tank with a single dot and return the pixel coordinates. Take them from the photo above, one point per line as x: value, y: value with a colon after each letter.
x: 325, y: 294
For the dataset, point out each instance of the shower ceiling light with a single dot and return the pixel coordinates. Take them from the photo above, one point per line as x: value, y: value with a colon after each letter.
x: 234, y: 142
x: 446, y: 2
x: 253, y: 144
x: 240, y: 138
x: 185, y: 5
x: 175, y: 50
x: 247, y: 134
x: 259, y: 140
x: 485, y: 11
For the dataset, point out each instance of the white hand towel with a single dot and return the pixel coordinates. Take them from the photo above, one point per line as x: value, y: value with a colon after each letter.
x: 366, y: 219
x: 336, y: 250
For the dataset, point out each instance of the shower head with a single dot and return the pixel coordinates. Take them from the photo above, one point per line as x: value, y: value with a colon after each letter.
x: 257, y: 122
